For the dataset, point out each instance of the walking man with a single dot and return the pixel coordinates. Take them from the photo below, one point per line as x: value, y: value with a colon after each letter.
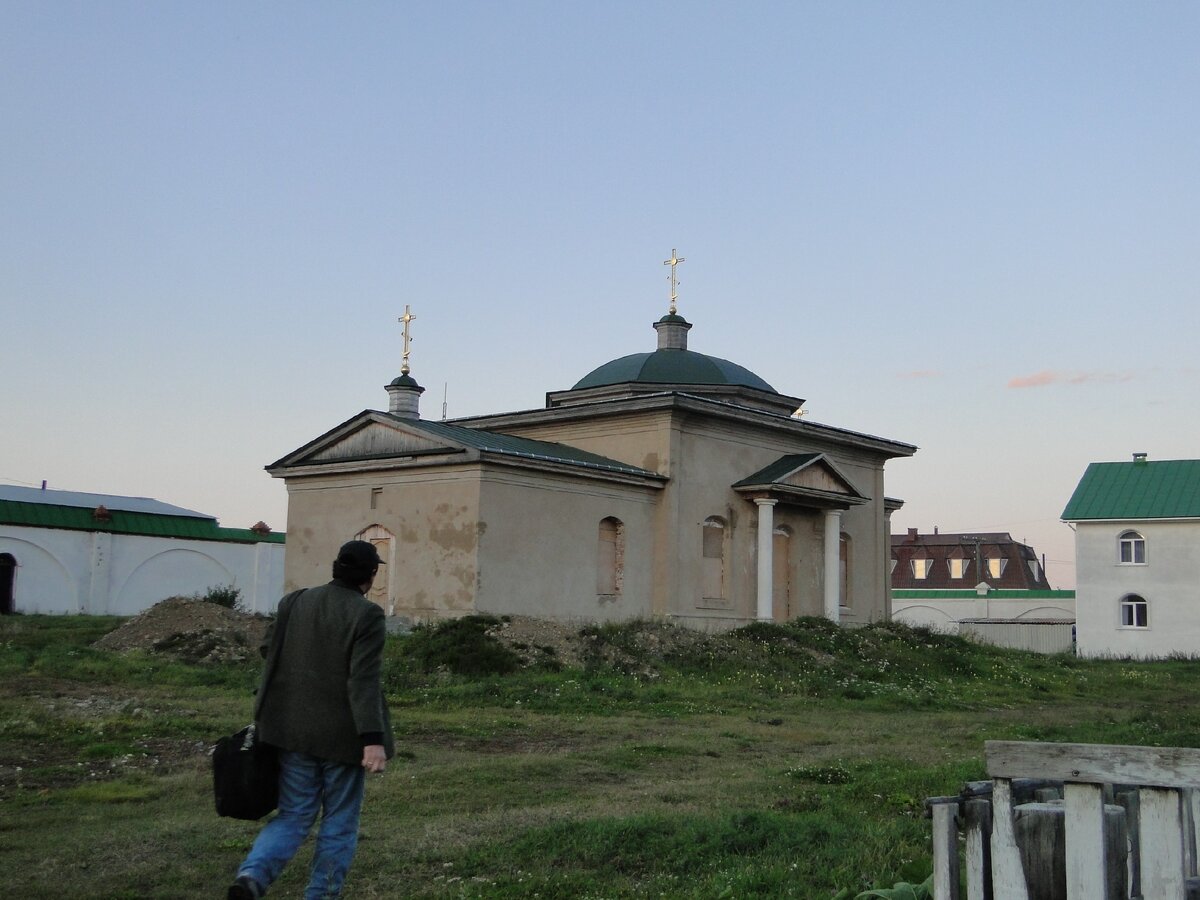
x: 321, y: 703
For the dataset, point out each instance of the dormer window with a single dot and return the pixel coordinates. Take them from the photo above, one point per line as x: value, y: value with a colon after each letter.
x: 996, y: 566
x: 958, y: 568
x: 1132, y: 549
x: 920, y: 568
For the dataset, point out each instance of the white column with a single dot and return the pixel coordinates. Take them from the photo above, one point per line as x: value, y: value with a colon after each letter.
x: 766, y: 568
x: 833, y: 560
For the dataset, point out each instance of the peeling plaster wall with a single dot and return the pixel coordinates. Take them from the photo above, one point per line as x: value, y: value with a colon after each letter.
x: 433, y: 515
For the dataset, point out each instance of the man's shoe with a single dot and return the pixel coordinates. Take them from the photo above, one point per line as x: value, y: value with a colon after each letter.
x: 245, y: 888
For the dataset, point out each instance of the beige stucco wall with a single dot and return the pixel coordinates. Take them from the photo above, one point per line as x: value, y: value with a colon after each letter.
x: 433, y: 515
x: 538, y: 552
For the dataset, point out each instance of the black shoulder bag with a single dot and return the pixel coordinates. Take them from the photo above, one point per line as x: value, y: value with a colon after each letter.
x: 245, y: 770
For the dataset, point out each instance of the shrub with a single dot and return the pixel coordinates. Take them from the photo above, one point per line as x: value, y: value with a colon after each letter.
x: 461, y: 646
x: 225, y: 595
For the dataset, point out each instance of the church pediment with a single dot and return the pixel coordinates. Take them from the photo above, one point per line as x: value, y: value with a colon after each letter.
x: 804, y: 478
x: 370, y: 436
x: 376, y: 439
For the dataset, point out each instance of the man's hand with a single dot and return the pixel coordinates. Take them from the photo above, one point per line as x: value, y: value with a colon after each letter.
x: 374, y: 758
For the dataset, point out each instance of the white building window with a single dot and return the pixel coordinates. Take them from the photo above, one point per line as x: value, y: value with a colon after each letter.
x: 921, y: 567
x: 958, y: 568
x: 1132, y: 549
x: 1134, y: 612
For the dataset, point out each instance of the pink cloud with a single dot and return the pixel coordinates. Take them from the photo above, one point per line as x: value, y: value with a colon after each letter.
x: 1048, y: 377
x: 1041, y: 379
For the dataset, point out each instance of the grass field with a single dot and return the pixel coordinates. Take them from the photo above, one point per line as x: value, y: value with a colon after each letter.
x: 776, y: 761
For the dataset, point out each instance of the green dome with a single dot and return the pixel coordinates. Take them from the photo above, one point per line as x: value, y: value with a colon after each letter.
x: 672, y: 367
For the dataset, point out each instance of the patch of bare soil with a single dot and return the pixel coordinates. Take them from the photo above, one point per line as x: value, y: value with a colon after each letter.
x: 192, y: 630
x: 533, y: 640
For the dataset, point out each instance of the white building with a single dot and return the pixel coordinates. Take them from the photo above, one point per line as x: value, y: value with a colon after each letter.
x: 1137, y: 546
x: 69, y: 552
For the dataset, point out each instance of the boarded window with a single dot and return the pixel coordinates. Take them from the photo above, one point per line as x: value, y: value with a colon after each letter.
x: 713, y: 561
x: 610, y: 556
x: 781, y: 573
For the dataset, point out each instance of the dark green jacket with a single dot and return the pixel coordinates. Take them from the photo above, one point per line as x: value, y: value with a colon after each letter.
x: 320, y: 690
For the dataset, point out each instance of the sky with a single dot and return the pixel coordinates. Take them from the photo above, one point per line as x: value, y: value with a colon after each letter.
x: 969, y: 227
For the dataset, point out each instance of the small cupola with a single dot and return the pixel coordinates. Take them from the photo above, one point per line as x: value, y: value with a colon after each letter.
x: 672, y: 332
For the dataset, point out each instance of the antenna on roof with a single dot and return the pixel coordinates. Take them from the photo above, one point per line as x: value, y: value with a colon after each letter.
x: 445, y: 393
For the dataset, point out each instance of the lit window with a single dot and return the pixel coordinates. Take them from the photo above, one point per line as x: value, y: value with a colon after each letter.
x: 1133, y: 549
x: 1134, y: 613
x: 958, y: 568
x: 920, y: 568
x: 996, y: 566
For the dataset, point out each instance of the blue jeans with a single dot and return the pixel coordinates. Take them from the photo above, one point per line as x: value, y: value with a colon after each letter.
x: 307, y: 785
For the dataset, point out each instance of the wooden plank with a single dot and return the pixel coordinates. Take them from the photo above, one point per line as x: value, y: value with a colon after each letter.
x: 1161, y: 841
x: 1128, y: 799
x: 1008, y: 877
x: 1086, y: 863
x: 1192, y: 844
x: 977, y: 816
x: 1095, y: 763
x: 945, y: 852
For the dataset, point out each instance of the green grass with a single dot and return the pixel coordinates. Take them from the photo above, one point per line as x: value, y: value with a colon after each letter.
x: 782, y: 761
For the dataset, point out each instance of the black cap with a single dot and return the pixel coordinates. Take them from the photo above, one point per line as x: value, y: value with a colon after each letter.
x: 361, y: 554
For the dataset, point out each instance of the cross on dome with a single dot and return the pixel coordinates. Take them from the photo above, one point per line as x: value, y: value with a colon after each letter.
x: 675, y: 260
x: 406, y: 318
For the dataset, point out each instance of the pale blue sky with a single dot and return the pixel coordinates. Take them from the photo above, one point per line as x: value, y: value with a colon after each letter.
x: 211, y: 215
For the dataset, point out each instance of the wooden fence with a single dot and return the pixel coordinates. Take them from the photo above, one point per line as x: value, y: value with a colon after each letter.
x: 1145, y: 849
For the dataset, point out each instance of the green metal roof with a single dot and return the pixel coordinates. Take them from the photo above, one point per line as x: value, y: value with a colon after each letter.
x: 73, y: 518
x: 672, y: 367
x: 1166, y: 489
x: 782, y: 467
x: 495, y: 442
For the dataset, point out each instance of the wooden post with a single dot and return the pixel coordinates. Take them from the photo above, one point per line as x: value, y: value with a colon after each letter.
x: 1087, y: 866
x: 1008, y: 878
x: 945, y: 852
x: 1161, y: 844
x: 977, y: 817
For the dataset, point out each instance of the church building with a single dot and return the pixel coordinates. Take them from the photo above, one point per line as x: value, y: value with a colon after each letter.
x: 666, y: 484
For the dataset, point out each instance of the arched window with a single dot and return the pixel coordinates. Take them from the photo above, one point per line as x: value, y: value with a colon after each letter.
x: 713, y: 561
x: 1132, y: 549
x: 8, y: 582
x: 1135, y: 612
x: 610, y: 557
x: 382, y: 588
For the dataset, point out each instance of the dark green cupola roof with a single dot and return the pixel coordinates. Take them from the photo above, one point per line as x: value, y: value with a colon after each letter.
x: 672, y: 363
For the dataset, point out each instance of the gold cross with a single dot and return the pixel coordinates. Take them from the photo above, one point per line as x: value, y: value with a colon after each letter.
x: 675, y: 260
x: 406, y: 318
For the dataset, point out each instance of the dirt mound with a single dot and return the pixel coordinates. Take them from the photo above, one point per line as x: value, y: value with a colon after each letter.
x: 192, y: 630
x: 536, y: 641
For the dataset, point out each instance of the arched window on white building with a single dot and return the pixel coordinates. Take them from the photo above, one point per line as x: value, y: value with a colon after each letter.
x: 1135, y: 612
x: 1131, y: 549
